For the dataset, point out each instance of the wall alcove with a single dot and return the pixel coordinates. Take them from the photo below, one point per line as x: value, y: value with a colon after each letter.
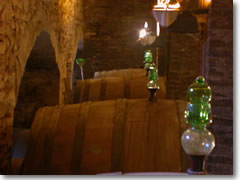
x: 40, y: 82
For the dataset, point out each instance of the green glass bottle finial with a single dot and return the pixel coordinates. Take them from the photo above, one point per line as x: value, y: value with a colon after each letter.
x: 147, y: 65
x: 148, y: 56
x: 199, y: 91
x: 200, y: 80
x: 80, y: 60
x: 198, y: 112
x: 152, y: 76
x: 153, y: 72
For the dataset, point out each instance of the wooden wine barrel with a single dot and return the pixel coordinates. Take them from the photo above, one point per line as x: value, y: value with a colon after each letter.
x: 115, y: 87
x: 16, y: 166
x: 107, y: 136
x: 126, y: 73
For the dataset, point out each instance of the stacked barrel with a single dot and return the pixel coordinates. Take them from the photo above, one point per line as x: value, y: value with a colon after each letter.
x: 109, y: 85
x: 112, y: 127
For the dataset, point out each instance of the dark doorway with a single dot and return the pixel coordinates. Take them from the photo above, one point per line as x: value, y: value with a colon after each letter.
x: 40, y: 82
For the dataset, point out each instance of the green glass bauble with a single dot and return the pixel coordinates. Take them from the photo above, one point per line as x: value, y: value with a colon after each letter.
x: 153, y: 73
x: 198, y: 115
x: 199, y: 91
x: 148, y: 57
x: 198, y: 112
x: 80, y: 60
x: 147, y: 65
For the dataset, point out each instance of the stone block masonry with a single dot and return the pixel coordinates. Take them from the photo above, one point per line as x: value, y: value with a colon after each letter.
x: 184, y: 63
x: 111, y: 32
x: 219, y: 74
x: 21, y: 23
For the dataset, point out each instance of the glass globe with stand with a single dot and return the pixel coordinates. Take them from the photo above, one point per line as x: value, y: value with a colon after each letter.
x: 197, y: 141
x: 80, y: 62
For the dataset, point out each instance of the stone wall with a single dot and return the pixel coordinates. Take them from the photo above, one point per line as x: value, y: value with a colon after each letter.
x: 110, y: 42
x: 180, y: 56
x: 219, y: 74
x: 21, y: 22
x: 184, y: 63
x: 111, y: 33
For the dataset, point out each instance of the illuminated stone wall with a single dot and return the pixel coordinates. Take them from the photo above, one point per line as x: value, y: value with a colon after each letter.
x: 21, y: 22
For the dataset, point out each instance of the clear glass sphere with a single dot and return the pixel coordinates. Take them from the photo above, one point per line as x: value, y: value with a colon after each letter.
x: 198, y: 141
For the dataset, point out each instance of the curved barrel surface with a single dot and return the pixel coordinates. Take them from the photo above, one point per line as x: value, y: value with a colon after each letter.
x: 107, y: 136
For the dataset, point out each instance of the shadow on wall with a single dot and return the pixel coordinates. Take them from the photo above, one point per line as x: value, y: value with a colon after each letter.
x: 40, y: 82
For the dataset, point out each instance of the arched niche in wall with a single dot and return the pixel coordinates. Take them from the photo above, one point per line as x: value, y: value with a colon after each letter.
x: 40, y: 83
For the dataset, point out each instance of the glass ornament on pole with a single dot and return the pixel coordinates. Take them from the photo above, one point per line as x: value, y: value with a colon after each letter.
x: 147, y: 60
x: 197, y: 141
x: 152, y: 84
x: 146, y: 38
x: 80, y: 62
